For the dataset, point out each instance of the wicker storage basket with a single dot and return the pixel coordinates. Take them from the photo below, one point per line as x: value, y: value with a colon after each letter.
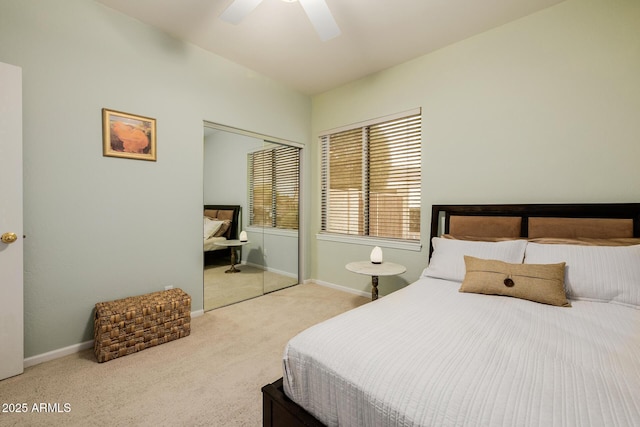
x: 132, y: 324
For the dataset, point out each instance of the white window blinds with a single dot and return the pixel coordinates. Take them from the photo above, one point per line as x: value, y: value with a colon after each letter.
x: 274, y: 176
x: 371, y: 178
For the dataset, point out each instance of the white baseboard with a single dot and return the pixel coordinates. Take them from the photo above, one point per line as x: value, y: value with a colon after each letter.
x: 271, y: 270
x: 338, y: 287
x: 54, y: 354
x: 75, y: 348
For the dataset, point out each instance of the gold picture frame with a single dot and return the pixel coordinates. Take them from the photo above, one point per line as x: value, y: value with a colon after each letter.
x: 128, y: 135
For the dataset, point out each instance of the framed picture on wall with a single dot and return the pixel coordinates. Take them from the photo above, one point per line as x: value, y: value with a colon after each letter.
x: 127, y: 135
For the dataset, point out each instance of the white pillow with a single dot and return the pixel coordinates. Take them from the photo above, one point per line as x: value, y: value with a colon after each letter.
x: 447, y: 260
x: 594, y: 273
x: 211, y: 226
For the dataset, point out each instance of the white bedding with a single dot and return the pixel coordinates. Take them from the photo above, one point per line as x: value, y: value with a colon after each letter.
x: 428, y: 355
x: 210, y: 244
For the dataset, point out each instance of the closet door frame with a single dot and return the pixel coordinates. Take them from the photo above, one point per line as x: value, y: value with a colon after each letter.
x: 302, y: 226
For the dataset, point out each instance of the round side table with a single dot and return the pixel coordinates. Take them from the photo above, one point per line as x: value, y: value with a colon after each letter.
x: 233, y: 244
x: 375, y: 270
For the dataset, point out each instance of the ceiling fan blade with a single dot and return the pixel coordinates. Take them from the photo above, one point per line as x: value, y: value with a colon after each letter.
x: 237, y: 10
x: 321, y: 18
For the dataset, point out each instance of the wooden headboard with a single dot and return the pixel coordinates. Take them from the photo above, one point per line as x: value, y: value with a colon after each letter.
x: 231, y: 212
x: 595, y: 220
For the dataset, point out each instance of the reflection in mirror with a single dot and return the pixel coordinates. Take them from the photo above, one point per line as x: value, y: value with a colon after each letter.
x: 274, y: 187
x: 243, y: 170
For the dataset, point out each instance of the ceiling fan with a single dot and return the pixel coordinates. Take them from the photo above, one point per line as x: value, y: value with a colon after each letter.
x: 317, y: 11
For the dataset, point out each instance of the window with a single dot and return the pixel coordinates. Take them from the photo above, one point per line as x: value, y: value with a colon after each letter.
x: 371, y: 178
x: 274, y: 187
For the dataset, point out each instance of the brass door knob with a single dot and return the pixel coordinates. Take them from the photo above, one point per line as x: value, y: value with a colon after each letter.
x: 9, y: 238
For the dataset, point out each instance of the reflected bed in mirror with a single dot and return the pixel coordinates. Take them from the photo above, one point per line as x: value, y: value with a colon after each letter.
x: 220, y: 223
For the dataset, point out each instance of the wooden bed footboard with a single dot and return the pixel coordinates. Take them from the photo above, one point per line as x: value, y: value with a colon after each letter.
x: 279, y: 410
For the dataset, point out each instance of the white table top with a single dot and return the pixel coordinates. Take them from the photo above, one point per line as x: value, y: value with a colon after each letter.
x: 384, y: 269
x: 231, y: 243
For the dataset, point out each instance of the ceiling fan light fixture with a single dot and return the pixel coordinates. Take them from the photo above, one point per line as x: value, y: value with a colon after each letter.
x: 317, y: 11
x: 238, y: 10
x: 320, y: 16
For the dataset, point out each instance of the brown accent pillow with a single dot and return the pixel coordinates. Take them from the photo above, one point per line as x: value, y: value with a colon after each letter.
x: 542, y: 283
x: 225, y: 214
x: 211, y: 213
x: 223, y: 228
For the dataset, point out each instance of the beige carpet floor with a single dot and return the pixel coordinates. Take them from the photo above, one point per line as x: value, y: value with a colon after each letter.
x: 210, y: 378
x: 221, y: 289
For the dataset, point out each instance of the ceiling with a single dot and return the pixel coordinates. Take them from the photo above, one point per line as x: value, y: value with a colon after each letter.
x: 277, y: 39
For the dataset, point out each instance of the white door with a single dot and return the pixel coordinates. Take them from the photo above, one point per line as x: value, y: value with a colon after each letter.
x: 11, y: 245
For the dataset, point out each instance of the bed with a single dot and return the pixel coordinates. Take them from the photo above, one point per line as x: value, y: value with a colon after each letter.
x: 461, y: 347
x: 220, y: 223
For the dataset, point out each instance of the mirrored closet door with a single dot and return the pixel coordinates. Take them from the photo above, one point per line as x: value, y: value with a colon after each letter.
x: 274, y: 184
x: 260, y: 181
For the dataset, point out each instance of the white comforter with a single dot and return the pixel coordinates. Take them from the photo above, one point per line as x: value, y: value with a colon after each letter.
x: 210, y: 244
x: 428, y: 355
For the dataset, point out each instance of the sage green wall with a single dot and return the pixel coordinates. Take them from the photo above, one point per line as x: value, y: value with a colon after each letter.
x: 545, y: 109
x: 225, y: 162
x: 102, y: 228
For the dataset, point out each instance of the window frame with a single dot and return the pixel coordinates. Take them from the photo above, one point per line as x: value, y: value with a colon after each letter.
x: 274, y: 184
x: 324, y: 234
